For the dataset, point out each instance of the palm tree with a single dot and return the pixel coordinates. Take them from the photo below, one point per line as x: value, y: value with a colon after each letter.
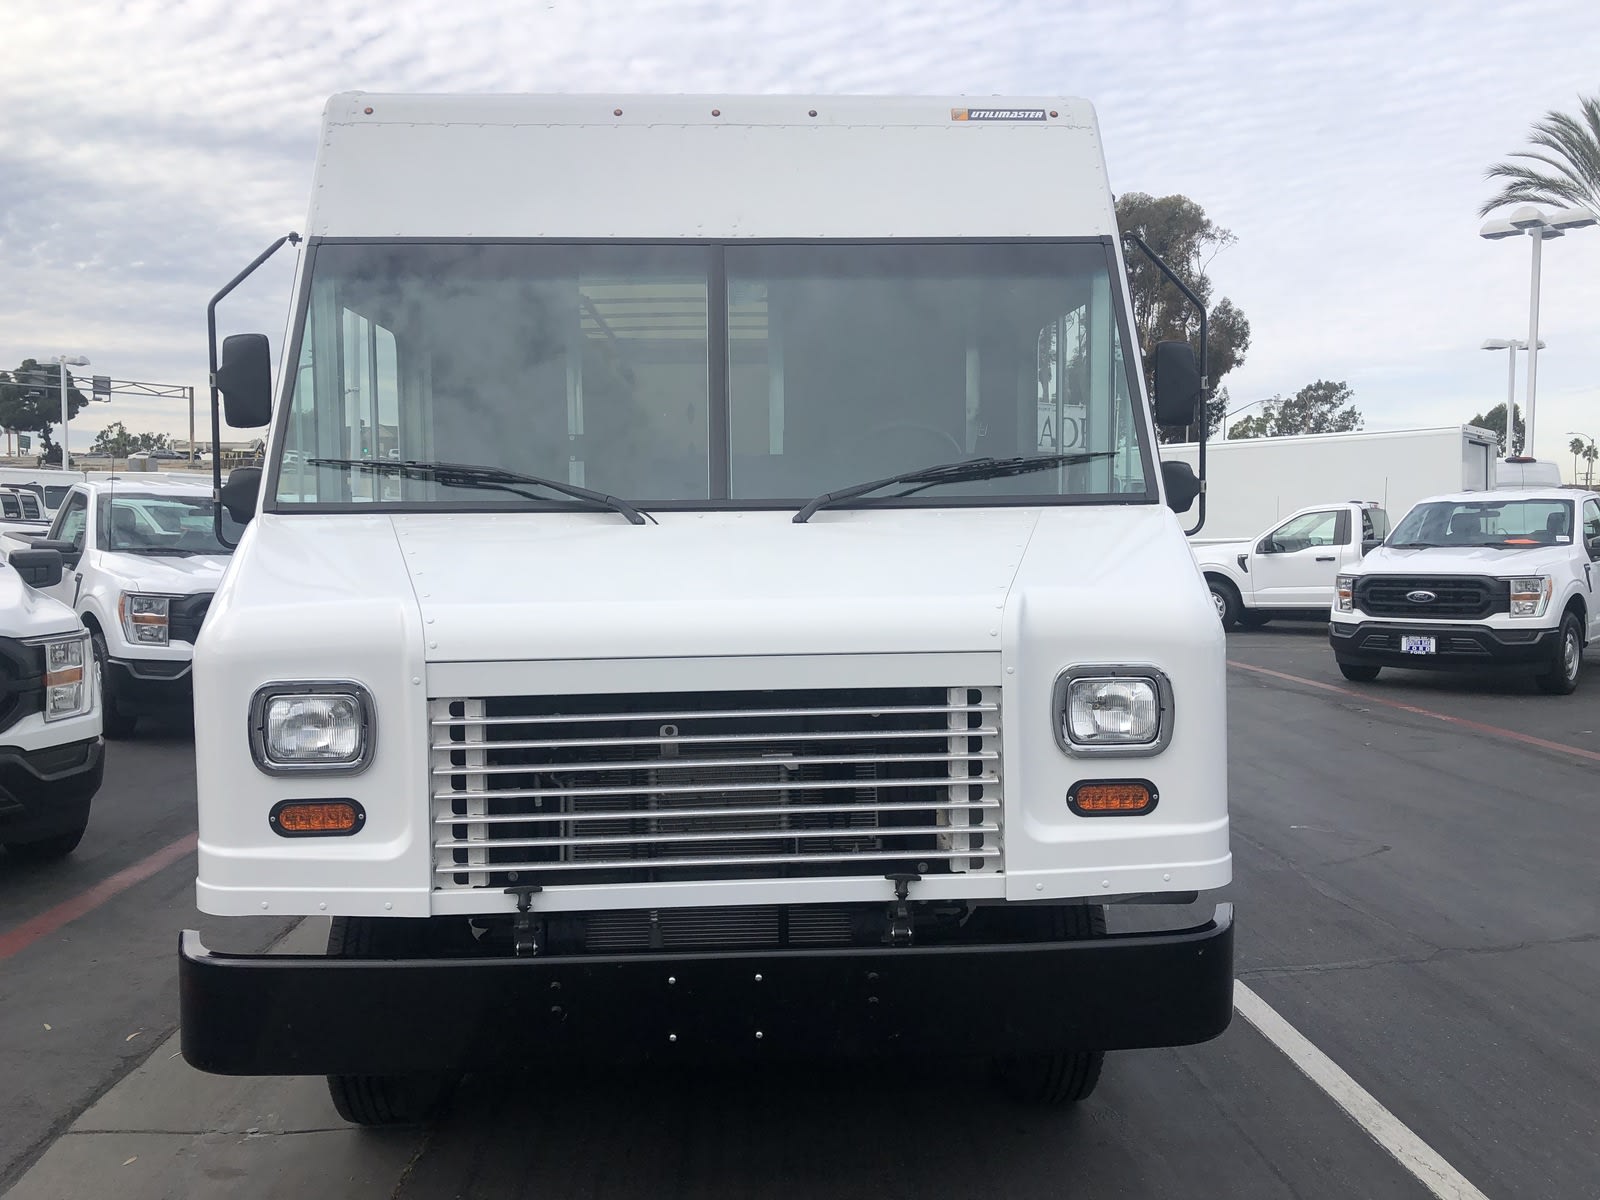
x: 1577, y: 446
x: 1570, y: 148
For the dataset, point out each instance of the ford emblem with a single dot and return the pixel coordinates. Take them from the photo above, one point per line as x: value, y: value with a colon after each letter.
x: 1421, y: 597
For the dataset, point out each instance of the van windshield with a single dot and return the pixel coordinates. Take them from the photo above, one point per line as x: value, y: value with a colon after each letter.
x: 1509, y: 524
x: 699, y: 375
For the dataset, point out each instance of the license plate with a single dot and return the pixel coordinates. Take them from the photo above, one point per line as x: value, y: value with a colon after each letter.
x: 1411, y: 644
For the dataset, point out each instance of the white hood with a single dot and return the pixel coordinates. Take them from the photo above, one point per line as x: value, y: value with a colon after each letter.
x: 30, y: 613
x: 173, y: 575
x: 1466, y: 560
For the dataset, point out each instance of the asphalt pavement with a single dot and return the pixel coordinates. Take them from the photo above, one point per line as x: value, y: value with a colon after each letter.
x: 1416, y: 896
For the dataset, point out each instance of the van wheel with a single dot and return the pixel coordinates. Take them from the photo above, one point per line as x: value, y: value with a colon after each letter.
x: 47, y: 849
x: 379, y: 1100
x: 1357, y: 673
x: 1226, y: 601
x: 1562, y: 677
x: 1056, y: 1077
x: 114, y: 723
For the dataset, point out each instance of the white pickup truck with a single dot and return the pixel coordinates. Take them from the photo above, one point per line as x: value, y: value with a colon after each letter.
x: 1477, y: 580
x: 1290, y: 568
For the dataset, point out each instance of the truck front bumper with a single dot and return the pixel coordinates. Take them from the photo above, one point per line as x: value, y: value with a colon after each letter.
x: 47, y: 791
x: 1457, y: 647
x: 149, y: 685
x: 271, y: 1014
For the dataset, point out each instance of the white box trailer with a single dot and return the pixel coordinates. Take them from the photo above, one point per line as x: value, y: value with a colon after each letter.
x: 1252, y: 482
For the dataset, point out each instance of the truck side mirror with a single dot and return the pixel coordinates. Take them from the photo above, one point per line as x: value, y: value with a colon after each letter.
x: 66, y: 551
x: 240, y: 493
x: 1181, y: 485
x: 1177, y: 385
x: 39, y: 568
x: 244, y: 377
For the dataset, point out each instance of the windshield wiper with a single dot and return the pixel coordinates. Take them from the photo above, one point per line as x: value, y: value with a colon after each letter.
x: 153, y: 550
x: 466, y: 475
x: 965, y: 471
x: 1413, y: 545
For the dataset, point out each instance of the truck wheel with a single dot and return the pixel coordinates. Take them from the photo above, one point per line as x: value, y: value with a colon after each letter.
x: 377, y: 1100
x: 1357, y: 673
x: 47, y: 849
x: 1562, y: 677
x: 1226, y: 601
x: 1251, y: 619
x: 115, y: 724
x: 1058, y: 1076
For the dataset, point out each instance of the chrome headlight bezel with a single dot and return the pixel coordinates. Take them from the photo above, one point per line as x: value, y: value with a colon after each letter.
x: 366, y: 733
x: 1344, y: 593
x: 1534, y: 594
x: 1060, y: 701
x: 146, y: 610
x: 85, y: 667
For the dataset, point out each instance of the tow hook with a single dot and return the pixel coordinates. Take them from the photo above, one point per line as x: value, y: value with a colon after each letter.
x: 524, y: 931
x: 900, y: 932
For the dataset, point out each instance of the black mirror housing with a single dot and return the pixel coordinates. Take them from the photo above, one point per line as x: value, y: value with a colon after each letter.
x: 1181, y: 485
x: 240, y: 493
x: 39, y: 568
x: 1177, y: 386
x: 244, y: 377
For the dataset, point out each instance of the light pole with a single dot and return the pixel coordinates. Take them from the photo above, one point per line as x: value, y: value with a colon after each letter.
x: 1539, y: 226
x: 1236, y: 412
x: 1589, y: 474
x: 1512, y: 345
x: 63, y: 361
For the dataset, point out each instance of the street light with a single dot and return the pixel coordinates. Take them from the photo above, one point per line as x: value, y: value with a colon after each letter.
x: 1589, y: 474
x: 1512, y: 345
x: 63, y: 361
x: 1236, y: 412
x: 1539, y: 226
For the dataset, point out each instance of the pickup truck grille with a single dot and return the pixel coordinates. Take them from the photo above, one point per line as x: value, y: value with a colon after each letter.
x: 674, y: 787
x: 185, y: 615
x: 1457, y: 597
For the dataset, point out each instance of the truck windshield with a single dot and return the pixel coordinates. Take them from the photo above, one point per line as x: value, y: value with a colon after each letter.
x: 1509, y: 524
x: 155, y: 524
x: 704, y: 375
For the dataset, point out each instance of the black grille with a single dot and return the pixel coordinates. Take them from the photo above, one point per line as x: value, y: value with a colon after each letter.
x: 21, y: 681
x: 715, y: 785
x: 185, y: 616
x: 1457, y: 597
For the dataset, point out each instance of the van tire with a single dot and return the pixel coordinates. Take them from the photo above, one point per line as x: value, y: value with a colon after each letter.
x: 1225, y: 598
x: 1566, y: 663
x: 114, y: 723
x: 1056, y: 1077
x: 376, y: 1101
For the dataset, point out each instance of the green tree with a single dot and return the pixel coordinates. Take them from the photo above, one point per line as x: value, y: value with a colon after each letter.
x: 115, y: 440
x: 30, y: 399
x: 1495, y: 421
x: 1177, y: 229
x: 1566, y: 157
x: 1577, y: 445
x: 1321, y: 407
x: 1589, y: 457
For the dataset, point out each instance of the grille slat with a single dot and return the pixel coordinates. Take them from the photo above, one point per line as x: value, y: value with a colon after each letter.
x: 727, y: 785
x: 1462, y: 597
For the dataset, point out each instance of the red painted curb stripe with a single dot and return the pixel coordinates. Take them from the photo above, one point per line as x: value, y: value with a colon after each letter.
x: 1510, y: 735
x: 19, y: 939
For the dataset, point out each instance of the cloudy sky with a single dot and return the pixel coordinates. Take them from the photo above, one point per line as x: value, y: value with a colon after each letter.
x: 150, y: 148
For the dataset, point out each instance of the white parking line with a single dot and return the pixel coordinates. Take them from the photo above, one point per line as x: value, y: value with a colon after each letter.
x: 1410, y: 1151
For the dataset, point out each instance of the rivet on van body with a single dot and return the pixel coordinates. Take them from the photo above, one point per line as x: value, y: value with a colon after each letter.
x: 388, y: 904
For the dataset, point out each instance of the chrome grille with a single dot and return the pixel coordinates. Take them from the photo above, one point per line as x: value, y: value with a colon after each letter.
x: 727, y: 785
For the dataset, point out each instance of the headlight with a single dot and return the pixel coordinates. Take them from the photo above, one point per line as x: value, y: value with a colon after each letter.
x: 1530, y: 596
x: 1125, y: 710
x: 1345, y: 593
x: 326, y: 727
x: 144, y: 619
x: 66, y: 679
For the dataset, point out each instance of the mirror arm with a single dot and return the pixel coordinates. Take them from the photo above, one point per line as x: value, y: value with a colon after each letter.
x: 293, y: 239
x: 1205, y: 372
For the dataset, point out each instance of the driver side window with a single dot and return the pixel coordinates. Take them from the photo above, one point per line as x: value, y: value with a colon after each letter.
x: 1305, y: 531
x: 1591, y: 526
x: 70, y: 521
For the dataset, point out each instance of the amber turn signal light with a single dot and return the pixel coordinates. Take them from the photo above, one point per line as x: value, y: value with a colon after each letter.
x: 1112, y: 798
x: 316, y: 818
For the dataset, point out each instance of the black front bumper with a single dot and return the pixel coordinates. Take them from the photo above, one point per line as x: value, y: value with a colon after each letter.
x: 275, y: 1014
x: 47, y: 792
x: 1457, y: 647
x: 149, y: 685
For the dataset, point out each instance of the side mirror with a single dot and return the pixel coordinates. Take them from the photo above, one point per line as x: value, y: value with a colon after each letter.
x: 1177, y: 385
x: 1181, y: 485
x: 244, y: 377
x: 240, y: 493
x: 1266, y: 546
x: 38, y: 568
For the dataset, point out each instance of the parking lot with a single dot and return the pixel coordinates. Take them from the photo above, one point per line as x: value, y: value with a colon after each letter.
x: 1414, y: 876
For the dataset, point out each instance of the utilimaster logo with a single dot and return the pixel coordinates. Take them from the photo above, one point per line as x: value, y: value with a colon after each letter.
x: 997, y: 114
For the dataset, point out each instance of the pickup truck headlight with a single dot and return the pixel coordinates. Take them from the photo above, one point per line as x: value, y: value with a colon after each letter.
x: 1530, y: 596
x: 66, y: 681
x: 1113, y: 710
x: 144, y: 618
x: 312, y: 727
x: 1345, y: 593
